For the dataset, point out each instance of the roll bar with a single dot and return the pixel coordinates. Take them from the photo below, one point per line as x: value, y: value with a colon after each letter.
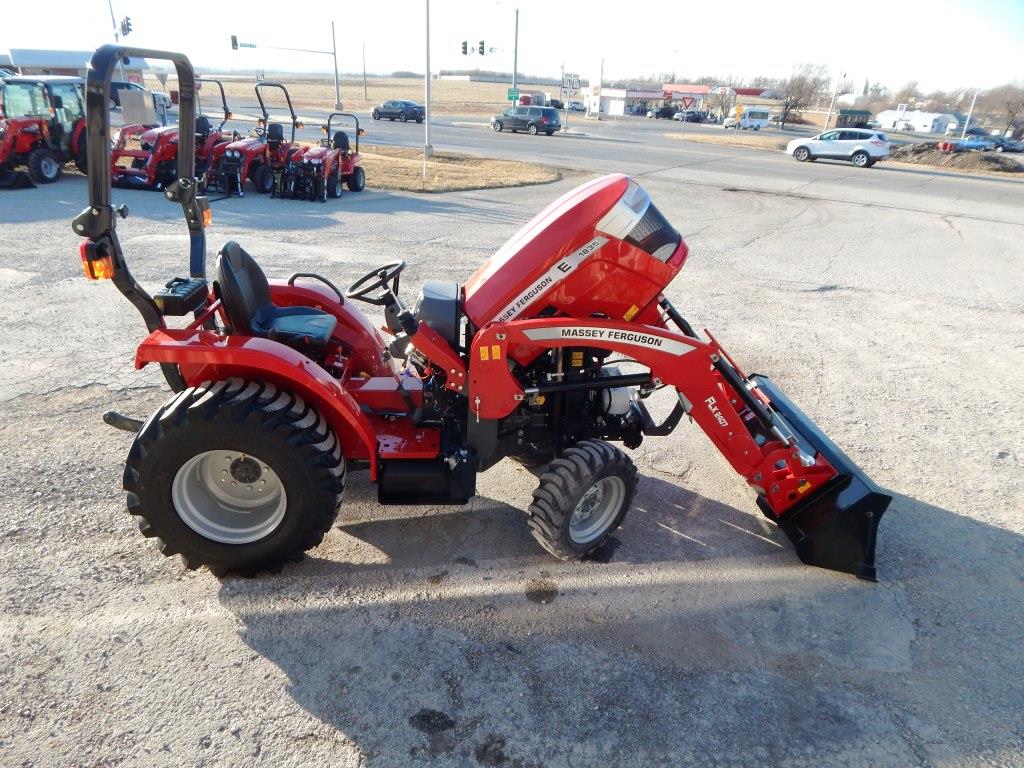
x: 263, y: 107
x: 223, y: 99
x: 102, y: 252
x: 333, y: 115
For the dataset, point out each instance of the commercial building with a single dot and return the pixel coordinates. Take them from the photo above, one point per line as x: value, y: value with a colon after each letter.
x: 32, y: 61
x: 915, y: 120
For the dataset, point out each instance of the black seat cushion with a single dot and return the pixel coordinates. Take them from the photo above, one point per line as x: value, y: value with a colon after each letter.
x: 245, y: 293
x: 203, y: 126
x: 340, y: 141
x: 275, y: 135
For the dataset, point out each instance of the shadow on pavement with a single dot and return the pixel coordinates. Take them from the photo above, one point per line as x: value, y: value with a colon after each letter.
x: 702, y: 640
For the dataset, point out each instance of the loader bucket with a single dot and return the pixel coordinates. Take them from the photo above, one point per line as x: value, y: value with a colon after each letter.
x: 835, y: 527
x: 15, y: 180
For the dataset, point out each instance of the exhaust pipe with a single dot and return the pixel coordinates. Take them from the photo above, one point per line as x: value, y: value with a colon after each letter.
x: 837, y: 526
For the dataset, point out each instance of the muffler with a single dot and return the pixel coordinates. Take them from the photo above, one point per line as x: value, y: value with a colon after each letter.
x: 836, y: 526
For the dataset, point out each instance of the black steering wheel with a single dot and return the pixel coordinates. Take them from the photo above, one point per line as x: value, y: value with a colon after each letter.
x: 385, y: 277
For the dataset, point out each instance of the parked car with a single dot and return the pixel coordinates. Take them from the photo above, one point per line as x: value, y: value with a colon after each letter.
x: 160, y: 99
x: 533, y: 120
x: 861, y: 147
x: 1004, y: 144
x: 556, y: 104
x: 577, y: 106
x: 399, y: 110
x: 978, y: 143
x: 659, y: 113
x: 687, y: 116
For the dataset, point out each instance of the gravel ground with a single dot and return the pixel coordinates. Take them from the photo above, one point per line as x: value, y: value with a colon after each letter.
x: 446, y: 637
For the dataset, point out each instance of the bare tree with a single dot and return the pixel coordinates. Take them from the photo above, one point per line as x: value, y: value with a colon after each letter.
x: 1006, y: 102
x: 909, y: 93
x: 722, y: 97
x: 801, y: 89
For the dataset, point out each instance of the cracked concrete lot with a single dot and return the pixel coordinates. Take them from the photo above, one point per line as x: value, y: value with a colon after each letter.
x: 445, y: 636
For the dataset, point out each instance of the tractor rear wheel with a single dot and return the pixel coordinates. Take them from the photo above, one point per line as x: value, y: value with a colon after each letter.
x: 263, y: 179
x: 357, y: 179
x: 582, y: 497
x: 234, y: 475
x: 43, y: 166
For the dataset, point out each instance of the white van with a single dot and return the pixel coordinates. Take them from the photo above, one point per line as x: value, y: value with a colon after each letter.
x: 750, y: 119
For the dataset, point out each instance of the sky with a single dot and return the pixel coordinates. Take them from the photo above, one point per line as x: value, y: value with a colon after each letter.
x: 942, y: 44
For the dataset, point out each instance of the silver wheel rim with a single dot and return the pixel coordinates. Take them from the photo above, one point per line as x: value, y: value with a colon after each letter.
x: 860, y: 160
x: 229, y: 497
x: 596, y: 510
x: 49, y: 167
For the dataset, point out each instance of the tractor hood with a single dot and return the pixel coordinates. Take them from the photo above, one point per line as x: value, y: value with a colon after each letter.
x: 153, y: 135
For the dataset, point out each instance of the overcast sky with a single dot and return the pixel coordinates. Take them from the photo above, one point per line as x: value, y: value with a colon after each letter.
x: 940, y: 43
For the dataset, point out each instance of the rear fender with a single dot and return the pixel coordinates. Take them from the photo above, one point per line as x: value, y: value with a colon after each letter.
x: 207, y: 356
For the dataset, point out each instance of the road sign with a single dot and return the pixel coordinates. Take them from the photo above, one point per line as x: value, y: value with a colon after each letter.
x: 687, y: 102
x: 246, y: 45
x: 901, y: 108
x: 513, y: 94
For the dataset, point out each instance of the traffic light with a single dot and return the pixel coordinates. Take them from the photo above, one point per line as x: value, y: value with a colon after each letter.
x: 465, y: 48
x: 126, y: 26
x: 234, y: 42
x: 481, y: 48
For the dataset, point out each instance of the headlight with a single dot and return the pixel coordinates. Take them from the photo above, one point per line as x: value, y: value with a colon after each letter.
x: 317, y: 161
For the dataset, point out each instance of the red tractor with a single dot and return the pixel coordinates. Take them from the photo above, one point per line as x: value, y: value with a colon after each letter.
x: 258, y: 157
x: 42, y: 127
x: 280, y: 386
x: 318, y: 172
x: 145, y: 156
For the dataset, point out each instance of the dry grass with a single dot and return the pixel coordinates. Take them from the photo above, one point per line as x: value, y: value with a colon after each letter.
x: 447, y: 96
x: 735, y: 139
x: 402, y: 168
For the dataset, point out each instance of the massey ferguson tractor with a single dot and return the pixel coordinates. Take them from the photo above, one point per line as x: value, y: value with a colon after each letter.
x: 317, y: 172
x: 259, y: 157
x: 280, y: 386
x: 145, y: 156
x: 42, y: 128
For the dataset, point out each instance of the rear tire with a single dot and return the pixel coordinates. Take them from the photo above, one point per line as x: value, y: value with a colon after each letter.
x: 177, y: 499
x: 263, y: 179
x: 401, y: 117
x: 43, y: 166
x: 861, y: 159
x: 582, y: 497
x: 357, y: 180
x: 803, y: 154
x: 532, y: 129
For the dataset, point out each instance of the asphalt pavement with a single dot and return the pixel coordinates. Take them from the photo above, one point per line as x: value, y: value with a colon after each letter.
x: 886, y: 303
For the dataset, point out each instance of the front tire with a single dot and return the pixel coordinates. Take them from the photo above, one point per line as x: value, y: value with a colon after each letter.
x: 357, y: 180
x: 401, y: 117
x: 498, y: 126
x: 263, y: 179
x: 375, y: 115
x: 190, y: 470
x: 803, y: 154
x: 334, y: 185
x: 43, y: 166
x: 582, y: 497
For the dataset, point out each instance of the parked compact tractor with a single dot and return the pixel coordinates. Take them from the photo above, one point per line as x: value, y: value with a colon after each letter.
x: 42, y: 128
x: 281, y: 385
x: 145, y: 156
x: 258, y: 157
x: 317, y: 172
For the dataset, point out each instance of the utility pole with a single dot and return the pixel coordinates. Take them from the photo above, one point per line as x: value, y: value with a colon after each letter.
x: 337, y: 83
x: 427, y: 149
x: 515, y: 55
x: 600, y: 81
x: 365, y: 97
x: 832, y: 103
x: 970, y: 112
x: 117, y: 38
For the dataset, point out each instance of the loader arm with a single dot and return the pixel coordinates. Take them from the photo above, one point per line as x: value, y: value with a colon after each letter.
x: 804, y: 483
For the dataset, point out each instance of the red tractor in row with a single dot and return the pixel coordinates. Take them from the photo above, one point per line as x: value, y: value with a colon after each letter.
x: 258, y: 157
x: 145, y: 156
x: 283, y: 386
x: 317, y: 172
x: 42, y: 128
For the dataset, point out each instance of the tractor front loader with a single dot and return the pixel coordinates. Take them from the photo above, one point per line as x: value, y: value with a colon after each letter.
x: 281, y: 386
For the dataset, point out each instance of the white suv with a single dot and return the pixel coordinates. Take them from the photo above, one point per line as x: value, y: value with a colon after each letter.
x: 861, y: 147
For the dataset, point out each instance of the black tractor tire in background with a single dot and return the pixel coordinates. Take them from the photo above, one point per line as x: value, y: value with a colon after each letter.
x: 532, y: 129
x: 81, y: 158
x: 279, y: 428
x: 262, y: 179
x: 334, y: 185
x: 565, y: 489
x: 357, y: 179
x: 44, y: 167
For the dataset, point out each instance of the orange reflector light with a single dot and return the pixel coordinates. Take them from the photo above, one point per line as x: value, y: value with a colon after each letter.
x: 361, y: 132
x: 300, y: 125
x: 229, y: 115
x: 207, y: 217
x: 97, y: 268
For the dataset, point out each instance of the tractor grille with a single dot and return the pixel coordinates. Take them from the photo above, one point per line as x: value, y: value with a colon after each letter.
x: 654, y: 235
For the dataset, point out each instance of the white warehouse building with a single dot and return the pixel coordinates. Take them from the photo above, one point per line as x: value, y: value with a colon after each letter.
x: 915, y: 120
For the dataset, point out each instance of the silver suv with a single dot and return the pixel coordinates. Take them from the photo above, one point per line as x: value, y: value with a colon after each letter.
x: 860, y: 146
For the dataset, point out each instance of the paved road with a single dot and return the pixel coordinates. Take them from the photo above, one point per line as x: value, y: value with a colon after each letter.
x: 413, y: 636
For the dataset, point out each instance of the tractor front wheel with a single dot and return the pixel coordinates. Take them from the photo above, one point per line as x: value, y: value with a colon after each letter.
x: 43, y: 166
x: 263, y: 179
x: 334, y: 185
x: 357, y: 180
x: 582, y: 497
x: 234, y: 475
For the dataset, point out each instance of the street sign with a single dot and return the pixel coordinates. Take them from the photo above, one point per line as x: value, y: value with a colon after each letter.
x: 687, y: 102
x: 513, y: 94
x: 246, y: 45
x: 901, y: 108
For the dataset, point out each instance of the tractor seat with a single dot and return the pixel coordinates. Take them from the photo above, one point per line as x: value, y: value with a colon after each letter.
x: 275, y: 135
x: 203, y: 127
x: 340, y: 141
x: 245, y: 294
